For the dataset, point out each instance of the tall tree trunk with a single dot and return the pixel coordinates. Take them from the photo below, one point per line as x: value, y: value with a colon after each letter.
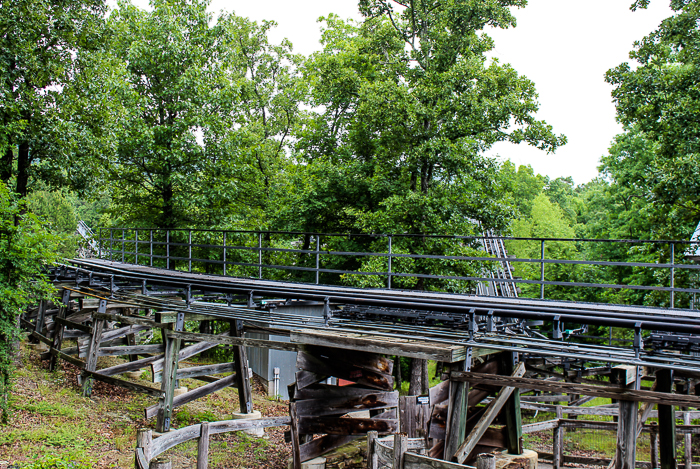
x: 416, y: 385
x: 6, y: 164
x: 168, y: 221
x: 23, y: 169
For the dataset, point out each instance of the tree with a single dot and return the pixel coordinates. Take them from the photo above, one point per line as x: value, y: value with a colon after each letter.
x: 38, y: 45
x: 658, y: 102
x: 26, y: 250
x: 206, y: 109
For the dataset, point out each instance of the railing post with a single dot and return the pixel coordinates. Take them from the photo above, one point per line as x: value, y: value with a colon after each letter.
x: 123, y: 246
x: 558, y: 440
x: 111, y: 244
x: 372, y: 459
x: 400, y: 447
x: 167, y: 249
x: 673, y: 273
x: 136, y: 247
x: 189, y: 251
x: 318, y: 260
x: 224, y: 254
x: 144, y: 439
x: 388, y: 273
x: 203, y: 446
x: 150, y: 244
x: 542, y: 270
x: 260, y: 254
x: 99, y: 245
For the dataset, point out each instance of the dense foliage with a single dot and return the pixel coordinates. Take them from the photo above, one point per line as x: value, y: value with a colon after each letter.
x: 26, y: 250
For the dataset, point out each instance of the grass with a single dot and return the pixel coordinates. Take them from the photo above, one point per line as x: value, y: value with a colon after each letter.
x: 53, y: 426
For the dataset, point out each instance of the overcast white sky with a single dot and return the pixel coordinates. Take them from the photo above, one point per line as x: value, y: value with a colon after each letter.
x: 564, y: 46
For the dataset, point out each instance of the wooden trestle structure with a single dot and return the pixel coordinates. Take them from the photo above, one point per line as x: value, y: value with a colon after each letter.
x: 475, y: 409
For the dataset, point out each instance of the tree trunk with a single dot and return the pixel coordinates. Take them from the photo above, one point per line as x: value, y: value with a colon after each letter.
x: 23, y: 169
x: 419, y: 377
x: 6, y: 164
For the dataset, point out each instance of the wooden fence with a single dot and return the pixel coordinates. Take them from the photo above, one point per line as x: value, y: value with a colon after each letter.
x: 148, y: 449
x: 400, y: 452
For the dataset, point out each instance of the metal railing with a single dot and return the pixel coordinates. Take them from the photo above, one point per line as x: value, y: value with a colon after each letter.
x: 451, y: 263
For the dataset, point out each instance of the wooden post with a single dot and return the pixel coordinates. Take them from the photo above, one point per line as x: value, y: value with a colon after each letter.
x: 93, y: 350
x: 558, y: 440
x: 455, y: 428
x: 40, y: 315
x: 160, y: 463
x: 144, y: 439
x: 627, y: 423
x: 400, y: 447
x: 688, y: 442
x: 372, y: 459
x: 58, y: 329
x: 242, y: 372
x: 654, y: 437
x: 667, y: 422
x: 170, y: 364
x: 294, y: 430
x: 514, y: 427
x: 203, y: 446
x: 486, y: 461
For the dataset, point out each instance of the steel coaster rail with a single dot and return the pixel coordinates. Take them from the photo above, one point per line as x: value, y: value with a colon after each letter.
x: 464, y: 306
x: 502, y: 279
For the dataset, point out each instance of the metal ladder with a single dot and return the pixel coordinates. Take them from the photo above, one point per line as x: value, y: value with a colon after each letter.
x: 502, y: 271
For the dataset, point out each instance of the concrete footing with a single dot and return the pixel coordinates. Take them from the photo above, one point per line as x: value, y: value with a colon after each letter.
x: 258, y: 432
x: 316, y: 463
x: 527, y: 460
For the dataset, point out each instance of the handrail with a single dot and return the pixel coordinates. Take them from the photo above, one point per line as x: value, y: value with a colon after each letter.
x: 260, y: 253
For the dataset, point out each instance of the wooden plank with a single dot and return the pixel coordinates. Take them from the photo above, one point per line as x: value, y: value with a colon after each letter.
x: 337, y: 406
x: 166, y: 317
x: 122, y: 331
x: 164, y: 408
x: 130, y: 366
x: 345, y: 370
x: 132, y: 320
x: 345, y: 426
x: 439, y: 393
x: 129, y: 350
x: 364, y: 360
x: 92, y: 351
x: 417, y: 461
x: 186, y: 352
x: 73, y: 325
x: 540, y: 426
x: 193, y: 371
x: 124, y: 384
x: 380, y: 344
x: 294, y: 429
x: 194, y: 394
x: 438, y: 422
x: 246, y: 342
x: 492, y: 411
x: 576, y: 388
x: 308, y: 378
x: 558, y: 441
x: 400, y: 447
x: 327, y: 391
x: 324, y: 444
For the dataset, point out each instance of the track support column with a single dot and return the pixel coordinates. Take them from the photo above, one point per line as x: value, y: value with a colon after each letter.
x: 455, y: 429
x: 627, y: 423
x: 514, y: 425
x: 667, y: 422
x: 170, y: 365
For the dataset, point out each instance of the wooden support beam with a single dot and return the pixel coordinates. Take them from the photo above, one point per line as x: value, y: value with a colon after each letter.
x: 203, y: 446
x: 92, y: 352
x: 294, y: 429
x: 626, y: 453
x: 58, y: 330
x: 492, y: 410
x: 514, y: 424
x: 240, y: 356
x: 165, y: 404
x: 457, y: 409
x: 667, y: 422
x: 558, y: 441
x: 610, y: 392
x: 241, y: 341
x: 192, y: 395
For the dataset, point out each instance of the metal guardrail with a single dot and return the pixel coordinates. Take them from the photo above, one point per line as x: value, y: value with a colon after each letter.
x: 274, y: 254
